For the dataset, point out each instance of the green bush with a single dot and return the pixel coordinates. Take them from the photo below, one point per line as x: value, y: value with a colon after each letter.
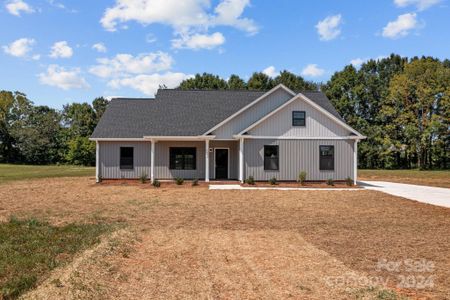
x: 302, y: 177
x: 330, y: 182
x: 195, y: 182
x: 273, y: 181
x: 156, y: 183
x: 349, y: 181
x: 143, y: 178
x: 81, y: 151
x: 250, y: 180
x: 179, y: 181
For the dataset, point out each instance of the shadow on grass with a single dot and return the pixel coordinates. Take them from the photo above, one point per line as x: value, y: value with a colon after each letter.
x: 30, y: 249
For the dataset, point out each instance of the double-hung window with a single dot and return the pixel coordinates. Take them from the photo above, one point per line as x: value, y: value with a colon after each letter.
x: 271, y: 158
x: 298, y: 118
x: 126, y: 158
x: 183, y: 158
x: 326, y: 158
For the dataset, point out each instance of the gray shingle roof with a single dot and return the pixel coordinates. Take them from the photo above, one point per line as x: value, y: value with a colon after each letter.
x: 179, y: 113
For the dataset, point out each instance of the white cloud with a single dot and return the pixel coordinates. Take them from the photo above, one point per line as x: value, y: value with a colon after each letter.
x: 270, y: 71
x: 329, y: 28
x: 400, y: 27
x: 123, y: 64
x: 420, y: 4
x: 15, y: 7
x: 63, y: 78
x: 199, y: 41
x: 148, y: 84
x: 61, y: 49
x: 100, y: 47
x: 312, y: 70
x: 357, y: 62
x: 20, y: 48
x: 190, y: 19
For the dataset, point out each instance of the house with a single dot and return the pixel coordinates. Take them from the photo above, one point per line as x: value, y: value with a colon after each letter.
x: 225, y: 135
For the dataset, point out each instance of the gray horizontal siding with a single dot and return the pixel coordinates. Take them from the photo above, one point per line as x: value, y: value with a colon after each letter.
x: 110, y: 160
x: 252, y: 114
x: 317, y: 123
x: 233, y: 154
x: 296, y: 156
x: 162, y: 156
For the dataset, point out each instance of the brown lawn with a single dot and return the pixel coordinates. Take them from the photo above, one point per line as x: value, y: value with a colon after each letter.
x: 192, y: 243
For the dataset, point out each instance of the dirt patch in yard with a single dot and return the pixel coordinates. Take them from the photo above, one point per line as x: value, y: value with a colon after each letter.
x: 248, y: 243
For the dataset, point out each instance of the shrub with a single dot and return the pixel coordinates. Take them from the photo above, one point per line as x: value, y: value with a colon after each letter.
x: 273, y: 181
x: 156, y: 183
x: 250, y: 180
x: 195, y: 182
x: 349, y: 181
x: 302, y: 177
x: 143, y: 178
x: 330, y: 181
x: 179, y: 181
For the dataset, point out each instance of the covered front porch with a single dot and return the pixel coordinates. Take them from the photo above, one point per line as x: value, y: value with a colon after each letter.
x: 218, y: 160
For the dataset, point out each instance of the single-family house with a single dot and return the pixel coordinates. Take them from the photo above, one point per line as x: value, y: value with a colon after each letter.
x: 225, y: 135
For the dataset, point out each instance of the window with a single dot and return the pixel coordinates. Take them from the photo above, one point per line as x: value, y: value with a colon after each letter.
x: 298, y: 118
x: 327, y: 158
x: 183, y: 158
x: 126, y: 158
x: 270, y: 158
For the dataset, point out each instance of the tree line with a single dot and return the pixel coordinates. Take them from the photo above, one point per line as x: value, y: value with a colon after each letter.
x: 402, y: 105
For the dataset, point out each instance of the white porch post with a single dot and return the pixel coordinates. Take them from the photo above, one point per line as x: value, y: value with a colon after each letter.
x: 206, y: 160
x: 97, y: 162
x: 241, y: 159
x: 355, y: 162
x: 152, y: 161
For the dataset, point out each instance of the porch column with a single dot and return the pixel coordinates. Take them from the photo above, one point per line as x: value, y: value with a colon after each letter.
x: 355, y: 161
x: 206, y: 160
x: 241, y: 159
x: 97, y: 162
x: 152, y: 161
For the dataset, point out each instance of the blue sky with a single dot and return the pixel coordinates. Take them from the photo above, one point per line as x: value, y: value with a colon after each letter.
x: 60, y: 51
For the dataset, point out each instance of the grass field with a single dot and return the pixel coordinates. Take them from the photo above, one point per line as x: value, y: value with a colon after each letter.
x: 430, y: 178
x: 10, y: 172
x: 190, y: 242
x: 30, y: 249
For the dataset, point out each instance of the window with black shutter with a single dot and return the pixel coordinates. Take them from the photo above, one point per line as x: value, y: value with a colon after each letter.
x: 126, y: 158
x: 326, y: 158
x: 183, y: 158
x: 271, y: 159
x: 298, y: 118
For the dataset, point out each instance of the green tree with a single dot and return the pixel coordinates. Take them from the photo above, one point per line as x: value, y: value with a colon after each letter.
x: 259, y: 81
x: 294, y: 82
x: 99, y: 104
x: 236, y: 83
x: 204, y: 81
x: 81, y: 151
x: 418, y: 105
x: 36, y: 135
x: 80, y: 118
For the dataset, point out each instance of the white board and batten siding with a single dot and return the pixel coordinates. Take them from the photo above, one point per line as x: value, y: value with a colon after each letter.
x: 296, y: 156
x: 317, y: 123
x: 110, y: 160
x: 252, y: 114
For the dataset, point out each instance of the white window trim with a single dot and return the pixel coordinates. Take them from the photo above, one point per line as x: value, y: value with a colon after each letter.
x: 280, y: 86
x: 228, y: 162
x: 310, y: 102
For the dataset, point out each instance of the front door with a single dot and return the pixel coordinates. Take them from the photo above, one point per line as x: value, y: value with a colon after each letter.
x: 221, y: 156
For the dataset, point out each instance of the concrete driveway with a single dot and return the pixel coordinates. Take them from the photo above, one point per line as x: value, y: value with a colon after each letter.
x: 426, y: 194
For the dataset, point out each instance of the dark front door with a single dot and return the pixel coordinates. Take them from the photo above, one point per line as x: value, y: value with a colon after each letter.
x: 221, y: 163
